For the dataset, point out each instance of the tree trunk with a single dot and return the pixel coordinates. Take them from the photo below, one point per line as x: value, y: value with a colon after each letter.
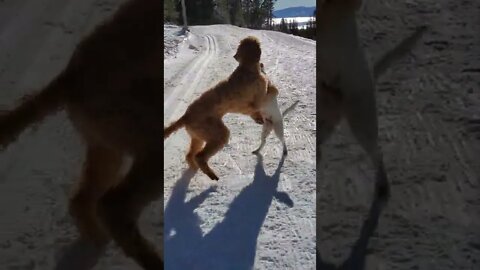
x: 184, y: 15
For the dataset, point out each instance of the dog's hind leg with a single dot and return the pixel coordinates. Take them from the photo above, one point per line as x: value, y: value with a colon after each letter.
x: 361, y: 114
x: 195, y: 147
x: 266, y: 129
x: 278, y: 129
x: 215, y: 137
x: 275, y: 123
x: 330, y: 112
x: 121, y: 207
x: 100, y: 172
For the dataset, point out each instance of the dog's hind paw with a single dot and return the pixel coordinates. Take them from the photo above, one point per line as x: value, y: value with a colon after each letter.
x: 382, y: 190
x: 213, y: 176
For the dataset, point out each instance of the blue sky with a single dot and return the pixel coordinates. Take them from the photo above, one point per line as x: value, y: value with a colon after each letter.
x: 281, y: 4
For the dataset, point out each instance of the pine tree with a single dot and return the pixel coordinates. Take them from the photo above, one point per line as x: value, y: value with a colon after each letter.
x: 236, y: 14
x: 257, y: 15
x: 205, y: 13
x: 247, y: 9
x: 169, y: 11
x: 293, y: 27
x: 198, y: 11
x: 222, y: 11
x: 267, y: 8
x: 283, y: 26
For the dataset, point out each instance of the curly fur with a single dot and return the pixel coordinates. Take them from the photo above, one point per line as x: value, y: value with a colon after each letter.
x: 244, y: 91
x: 111, y: 90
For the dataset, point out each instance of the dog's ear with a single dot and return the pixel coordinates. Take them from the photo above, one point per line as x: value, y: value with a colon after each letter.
x: 262, y: 68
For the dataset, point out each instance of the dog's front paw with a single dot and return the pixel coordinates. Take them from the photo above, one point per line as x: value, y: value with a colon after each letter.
x: 257, y: 117
x: 213, y: 176
x: 259, y: 121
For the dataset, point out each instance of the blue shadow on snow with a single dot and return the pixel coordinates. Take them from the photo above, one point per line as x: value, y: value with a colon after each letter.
x: 232, y: 243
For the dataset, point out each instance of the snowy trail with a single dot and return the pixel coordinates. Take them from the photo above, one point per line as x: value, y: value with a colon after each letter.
x: 38, y: 172
x: 426, y: 102
x: 253, y: 217
x: 191, y: 76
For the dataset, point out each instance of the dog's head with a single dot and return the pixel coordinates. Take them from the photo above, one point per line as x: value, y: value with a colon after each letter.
x: 248, y: 51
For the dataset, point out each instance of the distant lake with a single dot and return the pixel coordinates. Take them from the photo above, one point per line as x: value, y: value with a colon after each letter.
x: 302, y: 21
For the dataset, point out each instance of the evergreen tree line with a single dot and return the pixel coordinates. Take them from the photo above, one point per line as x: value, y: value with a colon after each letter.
x: 255, y: 14
x: 291, y: 27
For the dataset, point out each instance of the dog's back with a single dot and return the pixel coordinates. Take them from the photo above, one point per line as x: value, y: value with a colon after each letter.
x: 233, y: 95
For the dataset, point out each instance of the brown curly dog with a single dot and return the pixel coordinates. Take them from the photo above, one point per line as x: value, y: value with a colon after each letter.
x: 111, y: 90
x: 244, y: 91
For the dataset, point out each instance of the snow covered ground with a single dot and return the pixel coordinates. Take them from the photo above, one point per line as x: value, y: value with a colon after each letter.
x: 261, y: 213
x: 37, y: 173
x: 429, y: 103
x: 429, y: 128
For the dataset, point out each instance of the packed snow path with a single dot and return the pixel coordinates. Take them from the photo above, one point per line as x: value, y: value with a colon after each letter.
x: 429, y: 118
x: 261, y: 214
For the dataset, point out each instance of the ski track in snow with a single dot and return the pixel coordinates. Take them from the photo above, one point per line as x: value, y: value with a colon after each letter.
x: 428, y: 105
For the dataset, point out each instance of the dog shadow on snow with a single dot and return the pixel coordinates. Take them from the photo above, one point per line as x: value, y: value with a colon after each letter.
x: 359, y: 252
x: 231, y: 244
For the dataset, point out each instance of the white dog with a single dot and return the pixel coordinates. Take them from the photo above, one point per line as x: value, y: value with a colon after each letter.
x: 273, y: 118
x: 346, y: 84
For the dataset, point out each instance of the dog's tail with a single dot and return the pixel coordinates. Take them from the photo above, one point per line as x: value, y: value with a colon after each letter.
x: 30, y: 111
x: 173, y: 127
x: 397, y: 52
x: 287, y: 110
